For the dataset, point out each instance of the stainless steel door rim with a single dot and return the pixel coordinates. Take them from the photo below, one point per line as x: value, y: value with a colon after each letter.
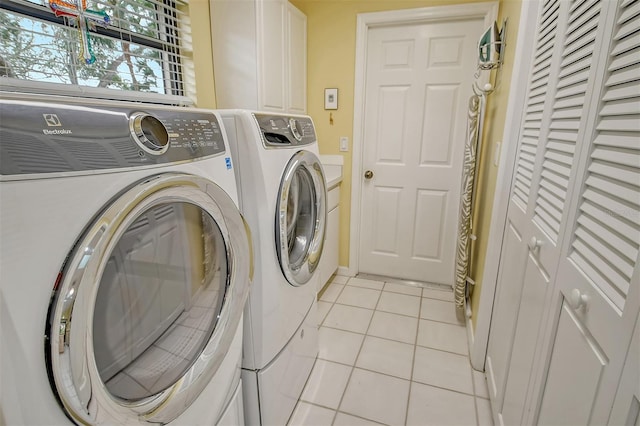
x: 70, y: 353
x: 301, y: 216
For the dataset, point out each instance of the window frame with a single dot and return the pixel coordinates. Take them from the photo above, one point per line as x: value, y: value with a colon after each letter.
x: 172, y: 67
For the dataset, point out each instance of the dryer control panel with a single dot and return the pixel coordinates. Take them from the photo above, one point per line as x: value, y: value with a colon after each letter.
x: 285, y: 131
x: 43, y: 137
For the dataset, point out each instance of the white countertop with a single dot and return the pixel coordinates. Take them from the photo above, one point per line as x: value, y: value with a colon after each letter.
x: 332, y: 165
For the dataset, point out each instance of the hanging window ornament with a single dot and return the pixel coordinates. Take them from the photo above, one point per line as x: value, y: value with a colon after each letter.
x: 86, y: 20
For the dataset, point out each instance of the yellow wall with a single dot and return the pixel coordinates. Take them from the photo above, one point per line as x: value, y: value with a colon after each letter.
x: 487, y: 173
x: 199, y: 51
x: 331, y: 53
x: 331, y: 48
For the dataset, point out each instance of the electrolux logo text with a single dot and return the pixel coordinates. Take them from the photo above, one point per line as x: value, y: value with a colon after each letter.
x: 52, y: 120
x: 57, y: 132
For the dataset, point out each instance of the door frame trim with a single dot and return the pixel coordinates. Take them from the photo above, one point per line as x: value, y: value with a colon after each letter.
x: 366, y: 21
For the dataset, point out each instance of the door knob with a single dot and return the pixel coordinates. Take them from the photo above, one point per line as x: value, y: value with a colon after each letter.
x: 534, y: 243
x: 577, y: 300
x: 368, y: 174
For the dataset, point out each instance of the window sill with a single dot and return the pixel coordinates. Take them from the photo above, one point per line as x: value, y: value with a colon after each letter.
x: 25, y: 86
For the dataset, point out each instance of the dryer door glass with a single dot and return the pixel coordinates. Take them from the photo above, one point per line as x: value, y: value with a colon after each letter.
x: 149, y: 302
x: 159, y: 299
x: 301, y: 217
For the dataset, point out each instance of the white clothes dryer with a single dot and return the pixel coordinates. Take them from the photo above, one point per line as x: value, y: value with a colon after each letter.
x: 283, y: 198
x: 125, y: 265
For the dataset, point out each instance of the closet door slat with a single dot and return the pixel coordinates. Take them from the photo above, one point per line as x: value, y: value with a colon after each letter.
x: 607, y: 230
x: 567, y: 110
x: 537, y: 94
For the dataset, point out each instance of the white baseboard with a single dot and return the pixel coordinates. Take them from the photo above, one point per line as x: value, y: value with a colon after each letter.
x: 471, y: 341
x: 344, y: 270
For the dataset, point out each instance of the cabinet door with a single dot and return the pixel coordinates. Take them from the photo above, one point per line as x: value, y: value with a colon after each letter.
x: 273, y: 75
x: 235, y: 58
x: 297, y: 60
x: 329, y: 260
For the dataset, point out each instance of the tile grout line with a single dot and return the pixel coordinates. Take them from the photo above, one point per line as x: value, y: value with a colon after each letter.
x: 413, y: 363
x: 415, y: 346
x: 395, y: 340
x: 396, y: 313
x: 353, y: 367
x: 386, y: 312
x: 473, y: 387
x: 336, y: 298
x: 444, y: 322
x: 472, y: 394
x: 359, y: 306
x: 333, y: 303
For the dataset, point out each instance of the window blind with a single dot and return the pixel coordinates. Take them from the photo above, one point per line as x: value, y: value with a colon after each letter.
x: 142, y: 49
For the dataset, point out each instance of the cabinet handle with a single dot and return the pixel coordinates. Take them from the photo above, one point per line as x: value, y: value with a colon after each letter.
x: 534, y: 243
x: 368, y: 174
x: 577, y: 300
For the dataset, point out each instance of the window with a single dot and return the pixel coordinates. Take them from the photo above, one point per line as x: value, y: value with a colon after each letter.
x: 139, y: 50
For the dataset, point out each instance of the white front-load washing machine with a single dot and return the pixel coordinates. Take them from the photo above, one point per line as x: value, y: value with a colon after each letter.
x: 283, y: 198
x: 124, y: 265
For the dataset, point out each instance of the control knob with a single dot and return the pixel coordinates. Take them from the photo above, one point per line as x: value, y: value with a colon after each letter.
x: 149, y: 133
x: 293, y: 125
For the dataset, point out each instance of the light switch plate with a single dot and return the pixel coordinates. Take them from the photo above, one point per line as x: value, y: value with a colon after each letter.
x: 496, y: 153
x: 344, y: 143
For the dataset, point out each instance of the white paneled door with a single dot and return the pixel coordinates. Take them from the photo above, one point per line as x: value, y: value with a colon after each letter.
x: 418, y: 81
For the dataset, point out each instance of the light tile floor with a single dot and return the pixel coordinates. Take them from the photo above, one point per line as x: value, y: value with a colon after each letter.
x: 391, y: 354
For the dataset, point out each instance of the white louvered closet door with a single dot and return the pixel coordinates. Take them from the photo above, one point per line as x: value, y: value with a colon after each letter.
x: 573, y: 37
x: 598, y: 280
x: 551, y: 126
x: 514, y: 326
x: 579, y: 33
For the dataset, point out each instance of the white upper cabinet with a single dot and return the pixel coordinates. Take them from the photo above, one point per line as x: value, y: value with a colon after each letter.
x: 296, y: 60
x: 259, y: 55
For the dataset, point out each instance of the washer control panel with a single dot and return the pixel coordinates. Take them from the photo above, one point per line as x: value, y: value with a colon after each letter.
x: 44, y: 137
x: 285, y: 131
x: 195, y: 131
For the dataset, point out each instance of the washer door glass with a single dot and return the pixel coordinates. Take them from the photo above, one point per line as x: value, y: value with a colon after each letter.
x: 301, y: 217
x: 149, y: 302
x: 159, y: 299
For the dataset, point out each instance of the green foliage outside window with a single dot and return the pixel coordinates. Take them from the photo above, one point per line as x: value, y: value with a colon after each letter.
x: 32, y: 48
